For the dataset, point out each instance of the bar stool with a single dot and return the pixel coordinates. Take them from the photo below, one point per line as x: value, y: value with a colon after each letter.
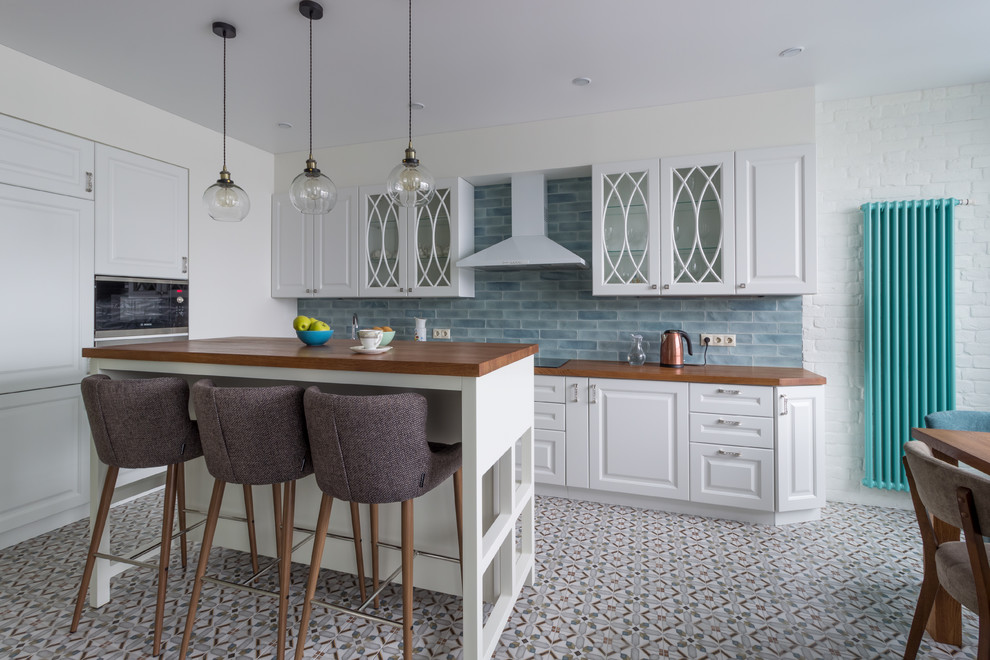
x: 143, y: 423
x: 373, y: 449
x: 254, y: 436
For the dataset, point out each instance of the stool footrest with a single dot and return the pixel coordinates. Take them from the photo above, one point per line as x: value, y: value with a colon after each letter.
x: 127, y: 560
x: 352, y: 612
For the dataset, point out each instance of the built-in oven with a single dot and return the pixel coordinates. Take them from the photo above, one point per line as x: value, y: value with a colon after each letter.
x: 134, y: 310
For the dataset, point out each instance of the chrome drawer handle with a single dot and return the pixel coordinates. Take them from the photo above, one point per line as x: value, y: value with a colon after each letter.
x: 721, y: 452
x: 728, y: 423
x: 724, y: 391
x: 594, y: 394
x: 783, y: 404
x: 575, y: 386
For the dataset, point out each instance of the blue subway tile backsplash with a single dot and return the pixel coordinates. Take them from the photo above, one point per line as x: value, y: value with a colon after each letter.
x: 556, y: 310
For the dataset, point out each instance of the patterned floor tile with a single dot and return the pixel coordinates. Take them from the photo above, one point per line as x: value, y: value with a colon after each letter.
x: 612, y: 582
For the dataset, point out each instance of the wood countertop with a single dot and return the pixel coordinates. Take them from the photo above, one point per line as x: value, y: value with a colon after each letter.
x: 730, y: 375
x: 470, y: 359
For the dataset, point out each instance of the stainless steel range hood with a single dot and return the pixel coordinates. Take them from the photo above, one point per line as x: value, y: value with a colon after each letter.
x: 528, y: 248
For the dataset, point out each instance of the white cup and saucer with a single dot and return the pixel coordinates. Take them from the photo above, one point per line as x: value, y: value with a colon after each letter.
x: 370, y: 340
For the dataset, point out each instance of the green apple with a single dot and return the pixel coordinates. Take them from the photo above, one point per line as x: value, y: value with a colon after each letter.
x: 319, y: 325
x: 301, y: 323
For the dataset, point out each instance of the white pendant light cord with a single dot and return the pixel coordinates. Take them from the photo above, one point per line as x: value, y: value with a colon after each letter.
x: 410, y: 73
x: 311, y: 89
x: 225, y: 103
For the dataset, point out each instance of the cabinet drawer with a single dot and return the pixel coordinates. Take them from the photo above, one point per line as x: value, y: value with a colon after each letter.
x: 548, y: 416
x: 732, y: 476
x: 735, y: 430
x: 549, y: 388
x: 755, y: 400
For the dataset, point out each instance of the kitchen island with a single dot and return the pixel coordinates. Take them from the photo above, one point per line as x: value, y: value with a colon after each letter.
x: 479, y: 394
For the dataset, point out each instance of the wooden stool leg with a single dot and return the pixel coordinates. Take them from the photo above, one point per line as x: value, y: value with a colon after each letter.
x: 249, y: 514
x: 322, y: 523
x: 106, y: 497
x: 180, y: 487
x: 459, y: 513
x: 358, y: 554
x: 204, y: 554
x: 285, y: 564
x: 168, y: 515
x: 277, y: 506
x: 374, y: 551
x: 407, y: 579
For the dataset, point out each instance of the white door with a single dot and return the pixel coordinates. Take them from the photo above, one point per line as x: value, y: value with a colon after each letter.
x: 776, y: 242
x: 46, y: 262
x: 335, y: 248
x: 441, y: 233
x: 638, y: 437
x: 382, y: 240
x: 44, y: 475
x: 142, y: 216
x: 697, y: 225
x: 800, y: 448
x: 292, y: 250
x: 44, y: 159
x: 625, y: 227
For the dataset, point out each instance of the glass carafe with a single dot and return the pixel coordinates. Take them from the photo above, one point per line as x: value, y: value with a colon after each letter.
x: 637, y: 351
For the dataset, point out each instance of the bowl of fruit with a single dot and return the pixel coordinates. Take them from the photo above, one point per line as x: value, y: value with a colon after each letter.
x: 388, y: 334
x: 312, y: 332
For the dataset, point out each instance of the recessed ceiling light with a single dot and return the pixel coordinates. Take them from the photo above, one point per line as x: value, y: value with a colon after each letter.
x: 794, y: 51
x: 284, y: 124
x: 416, y: 105
x: 581, y: 82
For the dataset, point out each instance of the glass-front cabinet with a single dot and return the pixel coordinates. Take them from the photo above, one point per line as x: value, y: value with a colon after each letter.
x: 625, y: 228
x: 697, y: 225
x: 412, y: 252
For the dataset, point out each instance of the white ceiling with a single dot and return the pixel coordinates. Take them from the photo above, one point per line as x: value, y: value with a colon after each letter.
x: 479, y: 64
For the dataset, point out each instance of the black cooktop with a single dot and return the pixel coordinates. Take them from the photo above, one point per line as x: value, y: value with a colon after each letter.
x: 548, y: 362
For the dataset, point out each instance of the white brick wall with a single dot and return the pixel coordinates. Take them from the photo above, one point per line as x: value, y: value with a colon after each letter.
x: 917, y: 145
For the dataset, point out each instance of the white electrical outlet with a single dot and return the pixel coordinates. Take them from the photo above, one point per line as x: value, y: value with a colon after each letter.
x: 441, y: 333
x: 718, y: 340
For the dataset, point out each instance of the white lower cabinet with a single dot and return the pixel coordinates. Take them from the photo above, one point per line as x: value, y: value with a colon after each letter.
x: 732, y: 476
x: 637, y: 436
x: 734, y: 451
x: 44, y: 477
x: 800, y: 448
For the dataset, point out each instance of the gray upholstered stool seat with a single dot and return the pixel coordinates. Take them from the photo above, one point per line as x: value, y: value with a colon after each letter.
x: 373, y: 450
x: 253, y: 435
x: 143, y: 423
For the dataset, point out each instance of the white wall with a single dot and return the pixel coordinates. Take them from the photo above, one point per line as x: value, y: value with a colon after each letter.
x: 726, y: 124
x: 923, y: 144
x: 230, y: 263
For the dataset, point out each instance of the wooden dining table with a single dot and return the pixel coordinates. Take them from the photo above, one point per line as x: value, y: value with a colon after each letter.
x: 973, y: 449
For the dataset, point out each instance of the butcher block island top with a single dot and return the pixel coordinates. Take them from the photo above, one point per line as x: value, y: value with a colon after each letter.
x: 467, y: 359
x: 712, y: 373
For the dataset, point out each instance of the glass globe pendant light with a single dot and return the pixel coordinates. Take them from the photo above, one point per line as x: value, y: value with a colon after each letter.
x: 226, y: 201
x: 410, y: 184
x: 312, y: 192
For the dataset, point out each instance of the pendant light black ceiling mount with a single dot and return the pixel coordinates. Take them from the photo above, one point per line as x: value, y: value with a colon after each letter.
x: 312, y: 192
x: 226, y: 201
x: 410, y: 184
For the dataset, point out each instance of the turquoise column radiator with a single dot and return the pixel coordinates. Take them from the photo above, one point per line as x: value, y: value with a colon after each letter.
x: 910, y: 363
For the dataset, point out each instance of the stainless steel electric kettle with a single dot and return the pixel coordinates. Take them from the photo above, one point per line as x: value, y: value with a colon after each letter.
x: 671, y: 350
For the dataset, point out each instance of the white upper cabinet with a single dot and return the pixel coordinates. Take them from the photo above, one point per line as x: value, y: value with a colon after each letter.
x: 776, y: 242
x: 625, y: 236
x: 315, y: 255
x: 720, y: 224
x: 33, y: 156
x: 697, y: 225
x: 142, y: 216
x: 412, y: 252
